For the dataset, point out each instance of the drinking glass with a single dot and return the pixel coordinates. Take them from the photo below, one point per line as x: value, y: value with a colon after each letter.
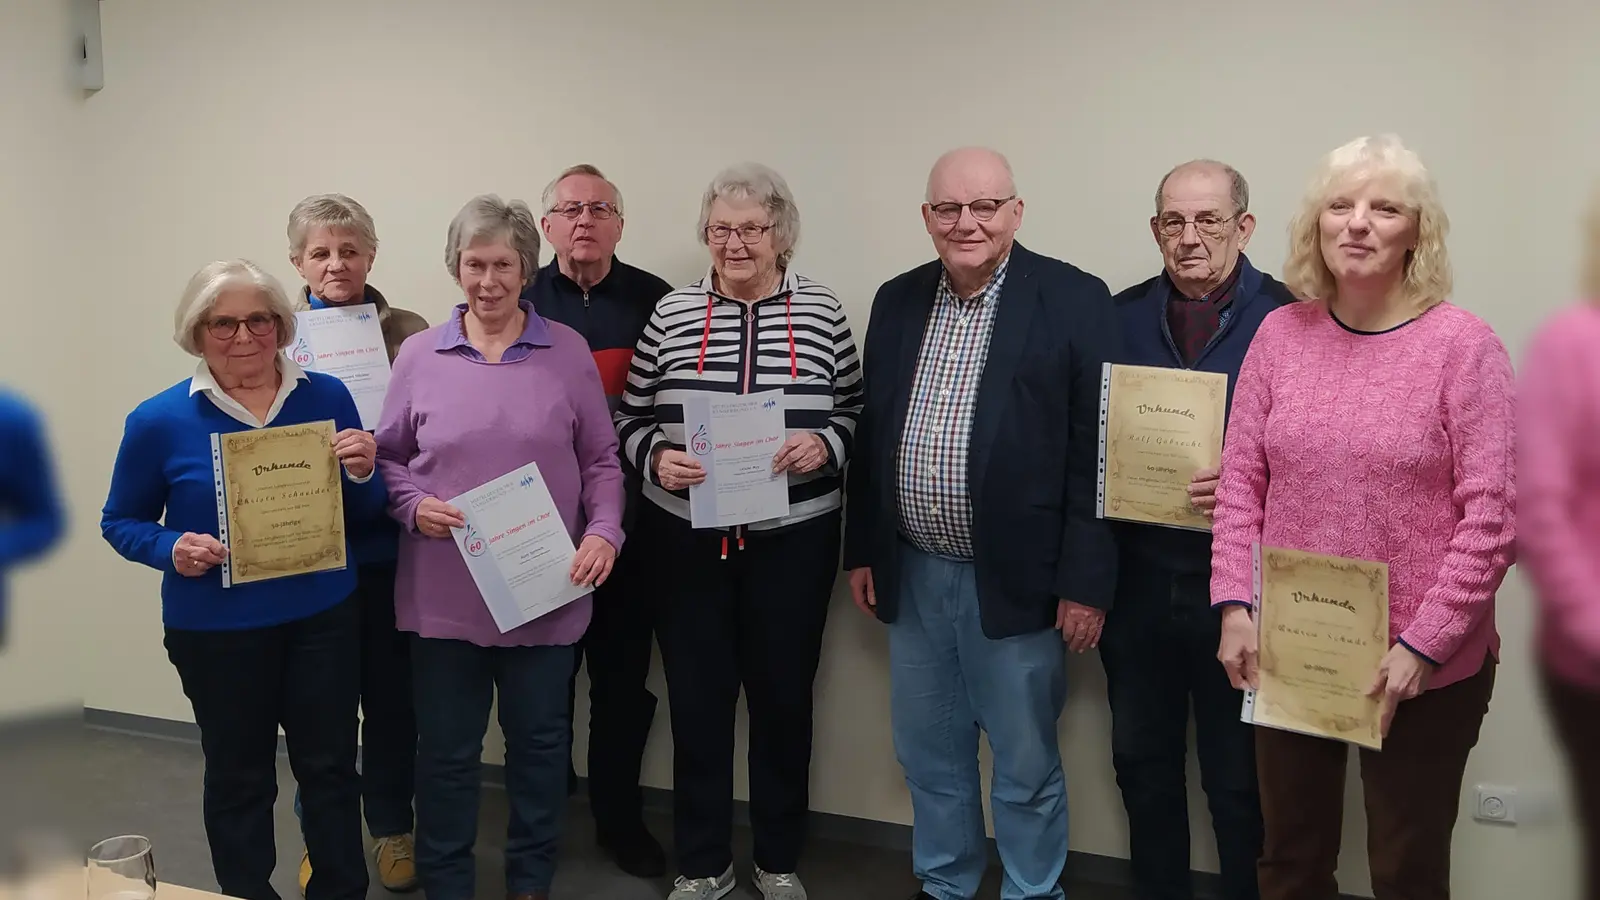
x: 122, y: 868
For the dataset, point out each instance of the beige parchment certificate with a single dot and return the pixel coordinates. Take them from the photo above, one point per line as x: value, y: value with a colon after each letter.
x: 280, y: 502
x: 1324, y: 630
x: 1157, y: 428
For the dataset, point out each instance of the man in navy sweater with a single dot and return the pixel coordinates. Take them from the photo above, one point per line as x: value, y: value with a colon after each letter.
x: 608, y: 302
x: 1160, y: 642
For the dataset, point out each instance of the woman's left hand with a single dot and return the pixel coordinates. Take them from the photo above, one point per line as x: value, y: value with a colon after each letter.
x: 1401, y: 676
x: 357, y: 450
x: 801, y: 453
x: 593, y: 563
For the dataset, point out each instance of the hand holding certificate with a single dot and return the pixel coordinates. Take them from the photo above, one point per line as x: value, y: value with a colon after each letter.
x: 1324, y: 631
x: 517, y: 548
x: 735, y: 439
x: 280, y: 502
x: 1158, y: 427
x: 347, y: 343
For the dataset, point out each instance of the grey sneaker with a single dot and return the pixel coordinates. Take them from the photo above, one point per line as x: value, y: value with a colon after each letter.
x: 774, y: 886
x: 704, y: 888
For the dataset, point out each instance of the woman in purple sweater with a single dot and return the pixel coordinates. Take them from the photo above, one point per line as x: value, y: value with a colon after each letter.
x: 494, y: 388
x: 1373, y: 421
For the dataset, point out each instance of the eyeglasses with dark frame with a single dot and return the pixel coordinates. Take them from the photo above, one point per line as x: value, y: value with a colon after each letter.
x: 983, y: 210
x: 223, y: 328
x: 748, y: 234
x: 600, y: 209
x: 1208, y: 224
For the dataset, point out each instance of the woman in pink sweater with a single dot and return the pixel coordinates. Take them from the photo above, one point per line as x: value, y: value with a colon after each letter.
x: 1373, y: 421
x: 1558, y: 466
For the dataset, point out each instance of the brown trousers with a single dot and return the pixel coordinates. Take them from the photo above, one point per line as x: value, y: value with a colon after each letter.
x: 1575, y: 713
x: 1412, y: 790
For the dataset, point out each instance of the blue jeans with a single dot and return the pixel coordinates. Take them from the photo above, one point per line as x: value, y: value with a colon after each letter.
x: 948, y: 680
x: 455, y: 684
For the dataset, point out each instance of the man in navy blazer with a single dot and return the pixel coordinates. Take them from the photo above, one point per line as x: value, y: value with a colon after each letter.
x: 1160, y: 647
x: 971, y: 527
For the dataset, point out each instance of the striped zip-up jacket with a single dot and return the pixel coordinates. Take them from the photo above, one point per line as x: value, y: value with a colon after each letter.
x: 699, y: 342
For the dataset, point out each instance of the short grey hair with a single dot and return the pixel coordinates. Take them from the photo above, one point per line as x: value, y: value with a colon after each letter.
x: 211, y: 282
x: 1238, y: 188
x: 487, y: 216
x: 330, y: 211
x: 754, y: 181
x: 547, y: 200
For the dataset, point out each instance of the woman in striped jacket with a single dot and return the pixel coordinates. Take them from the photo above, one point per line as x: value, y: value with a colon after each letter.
x: 744, y: 605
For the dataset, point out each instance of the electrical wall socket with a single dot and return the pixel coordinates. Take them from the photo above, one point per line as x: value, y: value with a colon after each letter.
x: 1497, y: 804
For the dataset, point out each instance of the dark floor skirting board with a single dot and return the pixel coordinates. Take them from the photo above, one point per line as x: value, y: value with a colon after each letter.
x: 1083, y: 867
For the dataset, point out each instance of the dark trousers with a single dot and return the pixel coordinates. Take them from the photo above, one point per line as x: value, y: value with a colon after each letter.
x: 456, y: 684
x: 754, y: 620
x: 1412, y: 791
x: 1159, y: 650
x: 1575, y: 713
x: 304, y: 676
x: 388, y: 724
x: 621, y: 708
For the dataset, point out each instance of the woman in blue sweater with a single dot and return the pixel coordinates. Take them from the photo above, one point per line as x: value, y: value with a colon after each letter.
x: 255, y: 656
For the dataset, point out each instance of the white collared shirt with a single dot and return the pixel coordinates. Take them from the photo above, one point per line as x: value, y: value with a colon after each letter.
x: 206, y: 383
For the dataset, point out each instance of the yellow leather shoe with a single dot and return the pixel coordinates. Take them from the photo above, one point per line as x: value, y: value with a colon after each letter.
x: 396, y: 869
x: 305, y: 871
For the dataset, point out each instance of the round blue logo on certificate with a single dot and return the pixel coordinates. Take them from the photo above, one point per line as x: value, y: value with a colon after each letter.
x: 700, y: 444
x: 474, y: 543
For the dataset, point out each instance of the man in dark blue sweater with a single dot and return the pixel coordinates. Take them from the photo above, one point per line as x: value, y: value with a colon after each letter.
x: 1160, y: 642
x: 608, y: 302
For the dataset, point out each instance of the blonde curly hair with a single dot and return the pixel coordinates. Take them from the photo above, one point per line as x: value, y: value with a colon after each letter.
x: 1427, y: 268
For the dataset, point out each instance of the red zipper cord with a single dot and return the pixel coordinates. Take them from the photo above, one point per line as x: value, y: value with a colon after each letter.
x: 788, y: 316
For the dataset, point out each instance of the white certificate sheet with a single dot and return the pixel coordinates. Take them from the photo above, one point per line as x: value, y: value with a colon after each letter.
x: 735, y: 438
x: 517, y: 548
x: 347, y: 343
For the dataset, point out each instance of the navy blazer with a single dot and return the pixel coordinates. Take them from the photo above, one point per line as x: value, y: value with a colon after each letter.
x: 1034, y: 455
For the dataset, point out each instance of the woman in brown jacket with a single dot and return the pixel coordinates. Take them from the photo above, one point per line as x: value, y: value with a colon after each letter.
x: 332, y: 243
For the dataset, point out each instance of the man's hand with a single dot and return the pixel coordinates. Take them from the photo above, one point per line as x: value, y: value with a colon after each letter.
x: 1079, y: 625
x: 861, y: 591
x: 1203, y: 491
x: 1401, y: 676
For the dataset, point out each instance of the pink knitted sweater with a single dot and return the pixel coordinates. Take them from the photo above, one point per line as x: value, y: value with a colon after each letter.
x: 1395, y: 447
x: 1558, y: 457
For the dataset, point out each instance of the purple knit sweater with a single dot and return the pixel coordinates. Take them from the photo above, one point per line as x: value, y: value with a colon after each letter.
x: 452, y: 422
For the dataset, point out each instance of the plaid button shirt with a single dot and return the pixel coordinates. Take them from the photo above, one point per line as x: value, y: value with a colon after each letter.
x: 935, y: 506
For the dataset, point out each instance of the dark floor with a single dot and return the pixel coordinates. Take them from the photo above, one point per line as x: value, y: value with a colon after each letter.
x: 91, y: 783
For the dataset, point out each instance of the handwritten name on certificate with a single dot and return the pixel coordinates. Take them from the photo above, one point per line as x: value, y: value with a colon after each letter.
x: 517, y: 548
x: 1324, y: 630
x: 1157, y: 428
x: 735, y: 438
x: 280, y: 502
x: 347, y: 343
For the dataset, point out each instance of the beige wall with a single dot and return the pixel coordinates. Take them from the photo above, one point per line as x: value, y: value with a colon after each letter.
x: 217, y: 117
x: 41, y: 193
